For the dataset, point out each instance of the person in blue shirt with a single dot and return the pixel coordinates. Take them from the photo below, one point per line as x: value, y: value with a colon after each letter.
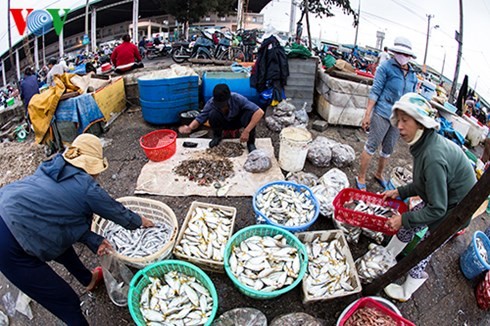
x: 44, y: 214
x: 228, y: 111
x: 29, y: 86
x: 392, y: 80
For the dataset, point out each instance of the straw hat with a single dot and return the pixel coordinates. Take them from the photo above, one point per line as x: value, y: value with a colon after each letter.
x: 86, y: 153
x: 404, y: 46
x: 418, y: 108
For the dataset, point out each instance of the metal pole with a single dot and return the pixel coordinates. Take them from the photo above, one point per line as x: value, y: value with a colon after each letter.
x: 443, y: 64
x: 93, y: 29
x: 36, y: 52
x: 427, y: 40
x: 4, y: 78
x: 359, y: 21
x: 86, y: 24
x: 61, y: 44
x: 135, y: 21
x: 44, y: 51
x: 459, y: 39
x: 239, y: 15
x: 17, y: 61
x: 292, y: 18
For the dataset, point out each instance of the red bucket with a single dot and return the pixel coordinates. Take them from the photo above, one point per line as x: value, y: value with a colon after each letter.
x: 159, y: 145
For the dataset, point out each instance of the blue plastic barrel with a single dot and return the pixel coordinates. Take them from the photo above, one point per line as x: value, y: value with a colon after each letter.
x: 238, y: 82
x: 471, y: 262
x: 162, y: 100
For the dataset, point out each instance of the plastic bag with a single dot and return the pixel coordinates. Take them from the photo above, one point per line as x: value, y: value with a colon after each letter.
x: 295, y: 319
x: 22, y: 305
x: 342, y: 155
x: 117, y: 277
x: 4, y: 320
x: 242, y: 317
x: 331, y: 183
x: 9, y: 303
x: 352, y: 233
x: 319, y: 151
x: 301, y: 115
x: 257, y: 161
x: 303, y: 178
x: 273, y: 124
x: 284, y: 115
x: 374, y: 263
x: 378, y: 237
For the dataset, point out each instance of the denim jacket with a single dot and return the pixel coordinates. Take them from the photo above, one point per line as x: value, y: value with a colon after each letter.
x: 389, y: 85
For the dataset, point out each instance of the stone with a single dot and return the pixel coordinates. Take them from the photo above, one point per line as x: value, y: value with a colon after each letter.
x: 320, y: 125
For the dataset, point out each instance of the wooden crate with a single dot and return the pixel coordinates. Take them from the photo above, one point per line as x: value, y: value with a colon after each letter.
x: 326, y: 236
x: 206, y: 264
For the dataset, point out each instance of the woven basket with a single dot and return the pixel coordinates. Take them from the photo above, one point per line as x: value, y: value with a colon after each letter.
x: 206, y: 264
x: 153, y: 210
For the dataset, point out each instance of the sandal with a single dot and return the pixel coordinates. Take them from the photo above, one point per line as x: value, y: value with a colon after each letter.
x: 360, y: 186
x: 98, y: 280
x: 381, y: 182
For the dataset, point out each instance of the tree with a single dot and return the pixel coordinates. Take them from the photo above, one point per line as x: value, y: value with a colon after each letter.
x: 191, y: 11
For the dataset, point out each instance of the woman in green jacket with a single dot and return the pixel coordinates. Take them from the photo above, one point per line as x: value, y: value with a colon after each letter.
x: 442, y: 176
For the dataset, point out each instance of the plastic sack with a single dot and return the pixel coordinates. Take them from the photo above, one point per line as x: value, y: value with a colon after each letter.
x: 351, y: 233
x: 9, y: 303
x: 296, y: 319
x: 4, y: 320
x: 342, y: 155
x: 22, y: 305
x: 273, y: 124
x: 301, y: 115
x: 303, y: 178
x: 241, y: 317
x: 331, y: 183
x: 374, y: 263
x: 257, y: 161
x: 319, y: 151
x: 117, y: 277
x: 284, y: 115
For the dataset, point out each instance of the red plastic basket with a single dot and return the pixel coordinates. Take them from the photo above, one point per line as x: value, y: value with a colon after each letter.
x: 371, y: 222
x: 483, y: 293
x: 159, y: 145
x: 371, y: 303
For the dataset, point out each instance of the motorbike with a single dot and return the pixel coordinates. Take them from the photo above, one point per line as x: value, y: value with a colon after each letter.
x: 202, y: 48
x: 161, y: 50
x: 181, y: 51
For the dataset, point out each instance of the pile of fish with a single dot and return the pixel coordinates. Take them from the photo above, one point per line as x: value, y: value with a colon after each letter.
x: 227, y: 149
x: 374, y: 263
x: 205, y: 171
x: 265, y: 263
x: 140, y: 242
x: 303, y: 178
x: 207, y: 232
x: 367, y: 316
x: 370, y: 208
x: 175, y: 299
x: 286, y: 205
x: 481, y: 249
x: 328, y: 272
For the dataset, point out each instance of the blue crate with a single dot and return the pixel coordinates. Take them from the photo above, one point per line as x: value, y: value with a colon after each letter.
x: 238, y: 82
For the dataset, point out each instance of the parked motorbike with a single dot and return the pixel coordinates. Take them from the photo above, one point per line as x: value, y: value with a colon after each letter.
x: 161, y: 50
x: 181, y: 51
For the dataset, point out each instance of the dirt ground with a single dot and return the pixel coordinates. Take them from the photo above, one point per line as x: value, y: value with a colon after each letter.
x: 446, y: 299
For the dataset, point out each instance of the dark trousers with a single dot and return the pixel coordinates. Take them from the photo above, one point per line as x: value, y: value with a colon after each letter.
x: 38, y: 280
x: 219, y: 122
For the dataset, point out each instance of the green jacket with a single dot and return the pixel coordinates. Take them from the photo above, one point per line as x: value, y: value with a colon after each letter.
x: 442, y: 176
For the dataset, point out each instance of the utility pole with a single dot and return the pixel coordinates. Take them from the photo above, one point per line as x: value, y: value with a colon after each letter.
x: 427, y: 40
x: 459, y: 39
x: 443, y: 64
x: 136, y: 6
x: 86, y: 25
x: 308, y: 24
x: 292, y: 18
x: 9, y: 36
x: 358, y: 22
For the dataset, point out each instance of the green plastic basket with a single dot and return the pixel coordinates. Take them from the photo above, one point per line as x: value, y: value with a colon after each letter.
x: 141, y: 280
x: 265, y: 230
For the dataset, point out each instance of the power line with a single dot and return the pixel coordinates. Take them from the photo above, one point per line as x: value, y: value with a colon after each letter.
x: 393, y: 22
x: 409, y: 9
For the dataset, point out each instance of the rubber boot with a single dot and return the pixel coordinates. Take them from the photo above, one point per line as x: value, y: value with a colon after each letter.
x: 404, y: 292
x: 251, y: 141
x: 217, y: 137
x: 395, y: 246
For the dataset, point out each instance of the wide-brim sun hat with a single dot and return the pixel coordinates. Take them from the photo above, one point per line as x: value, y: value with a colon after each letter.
x: 418, y: 108
x: 86, y: 153
x: 403, y: 45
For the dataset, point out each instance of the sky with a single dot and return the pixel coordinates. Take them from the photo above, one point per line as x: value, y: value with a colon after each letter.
x: 408, y: 18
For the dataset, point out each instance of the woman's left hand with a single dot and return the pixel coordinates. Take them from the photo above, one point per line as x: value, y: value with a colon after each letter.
x: 395, y: 222
x: 104, y: 248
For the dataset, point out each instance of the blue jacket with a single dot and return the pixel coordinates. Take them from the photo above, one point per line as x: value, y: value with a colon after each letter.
x: 29, y: 88
x: 49, y: 211
x: 389, y: 85
x: 236, y: 103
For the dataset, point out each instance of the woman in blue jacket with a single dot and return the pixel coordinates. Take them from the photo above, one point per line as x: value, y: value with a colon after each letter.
x: 43, y: 215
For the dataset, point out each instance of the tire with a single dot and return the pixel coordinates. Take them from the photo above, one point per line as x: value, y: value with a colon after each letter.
x: 224, y: 55
x: 150, y: 55
x: 178, y: 57
x: 202, y: 55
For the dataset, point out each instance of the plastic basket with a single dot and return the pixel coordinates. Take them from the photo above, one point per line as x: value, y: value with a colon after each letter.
x: 364, y: 220
x: 159, y: 145
x: 371, y: 303
x: 141, y: 280
x: 261, y: 217
x: 265, y: 230
x: 471, y: 262
x: 151, y: 209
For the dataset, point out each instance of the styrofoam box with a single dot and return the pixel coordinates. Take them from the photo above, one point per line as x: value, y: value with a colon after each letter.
x: 475, y: 133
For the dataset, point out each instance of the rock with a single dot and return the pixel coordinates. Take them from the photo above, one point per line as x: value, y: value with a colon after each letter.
x: 320, y: 125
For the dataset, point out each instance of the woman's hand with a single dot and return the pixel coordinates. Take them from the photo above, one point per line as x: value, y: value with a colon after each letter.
x: 366, y: 122
x: 146, y: 223
x: 395, y: 222
x: 391, y: 194
x: 104, y: 248
x: 244, y: 136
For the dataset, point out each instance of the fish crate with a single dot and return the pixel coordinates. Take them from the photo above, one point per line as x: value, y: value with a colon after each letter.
x: 153, y: 210
x: 361, y: 219
x: 380, y: 309
x: 326, y: 236
x: 206, y: 264
x: 265, y: 230
x: 261, y: 217
x: 142, y: 279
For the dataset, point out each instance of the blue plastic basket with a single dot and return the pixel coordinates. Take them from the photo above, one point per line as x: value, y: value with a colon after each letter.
x: 471, y: 262
x: 261, y: 218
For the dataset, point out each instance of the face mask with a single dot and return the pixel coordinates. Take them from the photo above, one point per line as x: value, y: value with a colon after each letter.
x: 401, y: 59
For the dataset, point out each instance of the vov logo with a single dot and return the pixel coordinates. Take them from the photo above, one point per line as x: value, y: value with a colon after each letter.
x: 39, y: 21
